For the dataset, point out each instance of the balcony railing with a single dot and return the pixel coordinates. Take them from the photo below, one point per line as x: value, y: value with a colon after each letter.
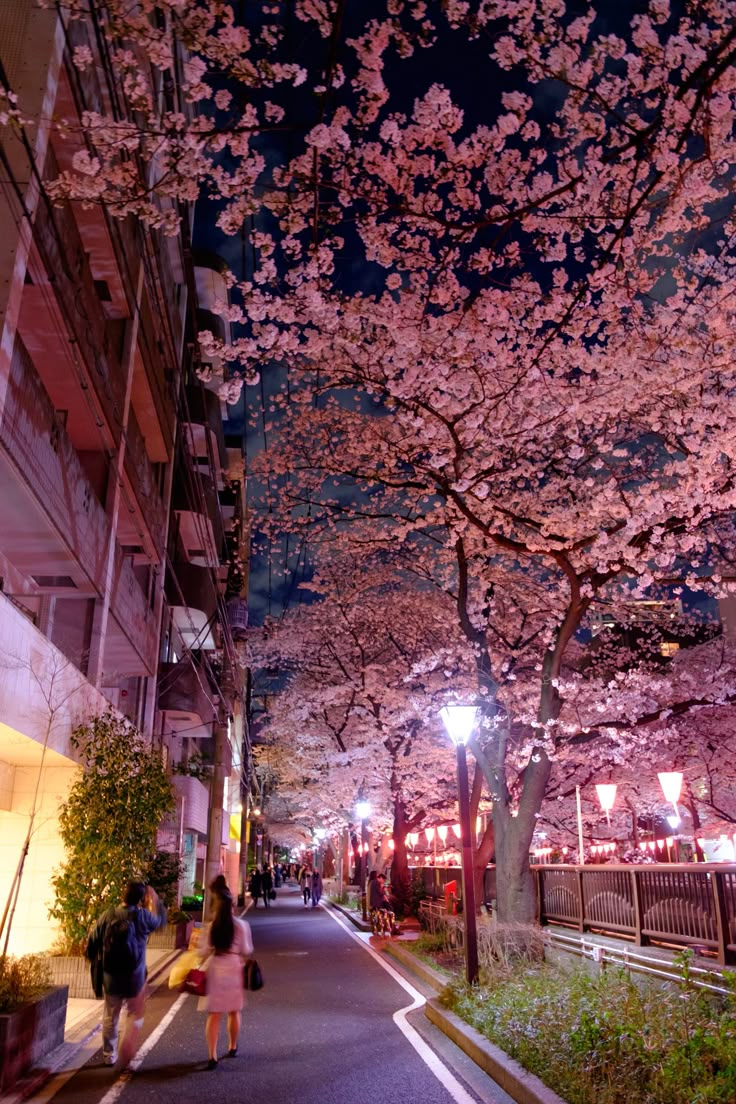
x: 680, y: 904
x: 56, y: 525
x: 132, y: 614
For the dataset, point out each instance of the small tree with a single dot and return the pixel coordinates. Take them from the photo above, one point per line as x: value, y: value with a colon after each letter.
x: 108, y: 823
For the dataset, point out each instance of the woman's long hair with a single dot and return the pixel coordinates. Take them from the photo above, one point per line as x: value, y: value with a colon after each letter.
x: 222, y: 932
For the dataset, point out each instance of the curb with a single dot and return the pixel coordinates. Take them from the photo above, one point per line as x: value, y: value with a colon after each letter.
x: 431, y: 977
x: 356, y: 921
x: 524, y: 1087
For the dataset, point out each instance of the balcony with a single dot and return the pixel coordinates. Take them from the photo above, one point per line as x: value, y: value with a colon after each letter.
x: 132, y: 638
x: 52, y: 525
x: 141, y: 482
x: 194, y: 799
x: 195, y: 503
x: 203, y: 426
x: 62, y: 297
x: 186, y: 699
x: 191, y: 594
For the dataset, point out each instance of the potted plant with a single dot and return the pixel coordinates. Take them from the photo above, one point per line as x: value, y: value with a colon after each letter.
x: 183, y: 925
x: 32, y: 1015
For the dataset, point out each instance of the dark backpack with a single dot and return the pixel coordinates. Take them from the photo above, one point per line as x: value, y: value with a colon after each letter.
x: 120, y: 951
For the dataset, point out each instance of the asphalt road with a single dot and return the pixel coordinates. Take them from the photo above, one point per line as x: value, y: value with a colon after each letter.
x: 323, y: 1030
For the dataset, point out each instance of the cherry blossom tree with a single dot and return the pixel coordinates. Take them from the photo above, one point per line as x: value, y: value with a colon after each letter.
x: 364, y: 676
x: 527, y: 384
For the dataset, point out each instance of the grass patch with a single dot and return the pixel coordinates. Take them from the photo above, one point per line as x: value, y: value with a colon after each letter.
x: 432, y: 948
x: 605, y: 1039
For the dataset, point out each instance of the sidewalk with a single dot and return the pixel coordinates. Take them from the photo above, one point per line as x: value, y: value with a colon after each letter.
x: 83, y: 1023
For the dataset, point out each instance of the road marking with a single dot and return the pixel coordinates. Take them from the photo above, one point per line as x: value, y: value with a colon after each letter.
x: 116, y: 1089
x: 457, y: 1091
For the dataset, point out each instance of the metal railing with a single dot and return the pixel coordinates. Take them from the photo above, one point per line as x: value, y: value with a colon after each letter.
x: 623, y: 958
x: 676, y: 904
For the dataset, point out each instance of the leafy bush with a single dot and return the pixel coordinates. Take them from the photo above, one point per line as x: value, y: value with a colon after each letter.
x: 108, y: 823
x: 586, y: 1037
x: 417, y: 893
x: 178, y: 916
x: 163, y: 872
x: 22, y: 980
x: 192, y: 903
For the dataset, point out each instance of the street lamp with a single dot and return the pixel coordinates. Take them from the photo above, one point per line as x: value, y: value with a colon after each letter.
x: 363, y: 811
x: 460, y: 720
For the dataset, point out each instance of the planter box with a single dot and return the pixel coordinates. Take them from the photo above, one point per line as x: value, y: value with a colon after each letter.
x: 30, y: 1033
x: 171, y: 936
x: 72, y: 971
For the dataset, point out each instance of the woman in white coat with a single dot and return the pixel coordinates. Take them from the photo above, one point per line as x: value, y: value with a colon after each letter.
x: 230, y: 943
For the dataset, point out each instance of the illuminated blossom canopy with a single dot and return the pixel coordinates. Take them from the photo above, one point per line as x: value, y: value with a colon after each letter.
x: 505, y: 329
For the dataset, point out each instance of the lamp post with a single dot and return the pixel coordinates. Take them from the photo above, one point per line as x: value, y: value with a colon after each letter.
x: 363, y: 811
x: 460, y: 720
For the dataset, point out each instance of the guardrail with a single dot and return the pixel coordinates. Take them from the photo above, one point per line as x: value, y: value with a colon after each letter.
x: 622, y: 957
x: 677, y: 904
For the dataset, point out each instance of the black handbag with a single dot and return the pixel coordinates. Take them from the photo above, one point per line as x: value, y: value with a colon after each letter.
x: 272, y: 895
x: 252, y: 976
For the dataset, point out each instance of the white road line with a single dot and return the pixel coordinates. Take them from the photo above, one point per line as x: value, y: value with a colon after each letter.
x: 458, y: 1093
x: 115, y: 1090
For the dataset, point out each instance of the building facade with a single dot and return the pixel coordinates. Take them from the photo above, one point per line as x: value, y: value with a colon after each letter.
x: 113, y: 538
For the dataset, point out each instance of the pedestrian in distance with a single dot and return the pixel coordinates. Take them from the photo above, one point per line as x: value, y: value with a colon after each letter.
x: 118, y: 940
x: 305, y: 884
x: 254, y: 885
x: 316, y: 888
x: 229, y: 942
x: 266, y: 884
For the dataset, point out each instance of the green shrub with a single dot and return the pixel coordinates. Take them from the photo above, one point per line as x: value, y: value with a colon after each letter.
x: 22, y: 980
x: 108, y: 822
x: 163, y: 872
x: 191, y: 903
x: 429, y: 943
x: 586, y: 1037
x: 417, y: 893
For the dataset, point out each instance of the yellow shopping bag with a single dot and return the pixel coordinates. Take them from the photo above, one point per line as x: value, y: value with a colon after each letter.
x: 190, y: 960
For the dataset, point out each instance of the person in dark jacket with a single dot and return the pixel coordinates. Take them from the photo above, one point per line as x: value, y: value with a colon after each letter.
x: 254, y: 885
x: 266, y: 884
x: 316, y: 888
x: 125, y: 984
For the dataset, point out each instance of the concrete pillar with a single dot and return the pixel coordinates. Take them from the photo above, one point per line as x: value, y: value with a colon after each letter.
x: 96, y: 666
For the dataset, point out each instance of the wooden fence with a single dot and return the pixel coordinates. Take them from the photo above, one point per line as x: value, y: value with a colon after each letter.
x: 692, y: 904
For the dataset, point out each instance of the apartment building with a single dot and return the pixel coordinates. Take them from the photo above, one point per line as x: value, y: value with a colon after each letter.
x: 113, y: 540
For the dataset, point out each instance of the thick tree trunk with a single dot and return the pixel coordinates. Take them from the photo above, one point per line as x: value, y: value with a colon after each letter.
x: 400, y: 874
x: 516, y: 900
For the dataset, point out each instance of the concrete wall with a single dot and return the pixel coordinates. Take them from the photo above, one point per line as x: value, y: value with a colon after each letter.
x: 42, y: 697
